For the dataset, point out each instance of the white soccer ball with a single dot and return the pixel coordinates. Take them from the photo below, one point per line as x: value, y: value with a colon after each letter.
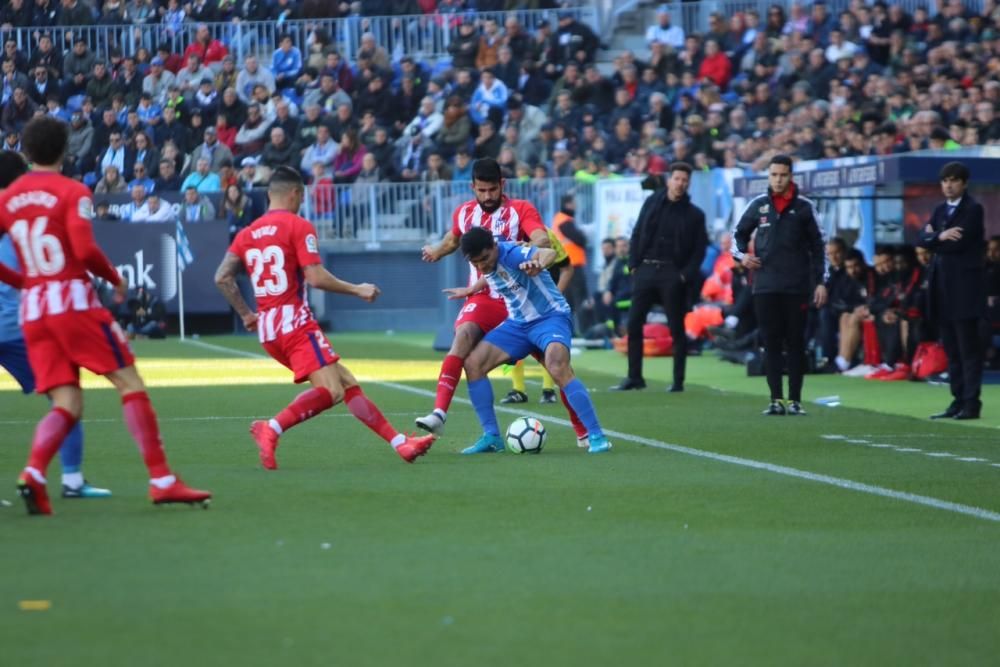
x: 525, y: 435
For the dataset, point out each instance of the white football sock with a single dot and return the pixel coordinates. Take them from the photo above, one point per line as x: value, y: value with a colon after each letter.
x: 163, y: 482
x: 275, y: 426
x: 73, y: 480
x: 398, y: 440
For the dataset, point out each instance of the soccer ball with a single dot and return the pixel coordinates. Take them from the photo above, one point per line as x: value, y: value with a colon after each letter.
x: 525, y: 435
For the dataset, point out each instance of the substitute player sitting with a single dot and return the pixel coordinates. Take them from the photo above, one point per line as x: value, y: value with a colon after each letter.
x: 538, y: 319
x: 65, y: 327
x: 281, y: 254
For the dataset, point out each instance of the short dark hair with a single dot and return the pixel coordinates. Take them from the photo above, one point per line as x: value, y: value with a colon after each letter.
x: 476, y: 240
x: 681, y: 166
x: 487, y: 170
x: 781, y: 159
x: 12, y: 166
x: 838, y: 241
x: 955, y: 170
x: 285, y: 178
x: 855, y: 255
x: 44, y: 140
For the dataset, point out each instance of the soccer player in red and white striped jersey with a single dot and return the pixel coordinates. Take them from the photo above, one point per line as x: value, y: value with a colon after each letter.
x: 65, y: 327
x: 281, y: 254
x: 509, y: 220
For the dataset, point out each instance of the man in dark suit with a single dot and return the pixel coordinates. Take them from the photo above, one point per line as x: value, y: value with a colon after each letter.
x: 667, y: 248
x: 956, y: 236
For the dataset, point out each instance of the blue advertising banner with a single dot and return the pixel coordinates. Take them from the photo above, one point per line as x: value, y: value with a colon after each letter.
x: 146, y: 254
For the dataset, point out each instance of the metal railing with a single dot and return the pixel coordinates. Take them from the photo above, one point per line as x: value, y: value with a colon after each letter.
x: 423, y: 36
x: 377, y: 213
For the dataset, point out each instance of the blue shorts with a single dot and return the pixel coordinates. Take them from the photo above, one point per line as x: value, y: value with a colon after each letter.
x: 14, y: 357
x: 519, y: 339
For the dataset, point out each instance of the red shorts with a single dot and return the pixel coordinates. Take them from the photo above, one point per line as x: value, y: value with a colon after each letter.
x: 483, y: 311
x: 304, y: 351
x: 60, y: 345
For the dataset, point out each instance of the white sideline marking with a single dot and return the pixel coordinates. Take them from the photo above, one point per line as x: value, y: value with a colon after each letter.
x: 941, y: 455
x: 858, y: 442
x: 833, y: 436
x: 926, y: 501
x: 973, y: 459
x: 908, y: 449
x: 207, y: 418
x: 937, y: 455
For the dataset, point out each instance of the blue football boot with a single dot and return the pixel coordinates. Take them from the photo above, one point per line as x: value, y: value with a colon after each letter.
x: 486, y: 445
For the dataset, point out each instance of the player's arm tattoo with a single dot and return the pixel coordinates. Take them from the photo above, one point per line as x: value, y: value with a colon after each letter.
x: 225, y: 280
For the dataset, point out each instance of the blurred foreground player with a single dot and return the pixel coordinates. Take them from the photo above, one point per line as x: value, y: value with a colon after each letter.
x: 65, y: 327
x: 281, y: 254
x: 14, y: 353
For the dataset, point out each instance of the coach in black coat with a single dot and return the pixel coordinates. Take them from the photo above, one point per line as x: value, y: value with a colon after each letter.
x: 957, y: 273
x: 667, y: 248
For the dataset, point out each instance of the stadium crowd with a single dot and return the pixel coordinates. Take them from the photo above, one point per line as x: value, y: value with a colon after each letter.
x: 870, y: 80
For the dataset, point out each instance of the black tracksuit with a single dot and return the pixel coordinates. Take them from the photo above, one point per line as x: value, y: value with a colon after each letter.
x: 789, y: 246
x: 667, y: 248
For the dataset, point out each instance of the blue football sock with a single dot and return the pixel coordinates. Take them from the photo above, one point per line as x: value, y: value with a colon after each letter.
x: 71, y: 451
x: 579, y: 399
x: 481, y: 393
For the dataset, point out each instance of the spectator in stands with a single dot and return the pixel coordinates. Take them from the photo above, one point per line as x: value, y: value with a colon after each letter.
x: 112, y: 183
x: 137, y: 199
x: 489, y: 45
x: 208, y: 49
x: 168, y: 179
x: 506, y: 68
x: 203, y: 180
x: 376, y: 97
x: 437, y: 169
x: 250, y: 139
x: 117, y: 154
x: 45, y: 13
x: 189, y: 78
x: 74, y: 12
x: 206, y: 100
x: 249, y: 178
x: 664, y: 32
x: 41, y: 87
x: 172, y: 130
x: 488, y: 142
x: 323, y: 151
x: 252, y: 75
x: 574, y: 41
x: 81, y: 139
x: 158, y: 81
x: 238, y: 209
x: 154, y: 210
x: 286, y: 63
x: 329, y: 96
x: 342, y: 121
x: 196, y: 207
x: 278, y: 151
x: 140, y: 176
x: 228, y: 76
x: 17, y: 111
x: 77, y: 66
x: 15, y: 15
x: 427, y: 121
x: 172, y: 19
x: 215, y: 152
x: 347, y: 164
x: 464, y: 47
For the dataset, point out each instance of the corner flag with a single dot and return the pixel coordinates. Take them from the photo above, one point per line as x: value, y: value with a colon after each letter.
x: 184, y: 255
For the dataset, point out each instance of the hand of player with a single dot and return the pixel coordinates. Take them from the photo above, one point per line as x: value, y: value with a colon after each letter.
x: 819, y: 296
x: 750, y: 262
x: 532, y: 267
x: 368, y: 292
x: 427, y: 254
x: 250, y: 321
x: 455, y: 293
x: 121, y: 290
x: 951, y: 234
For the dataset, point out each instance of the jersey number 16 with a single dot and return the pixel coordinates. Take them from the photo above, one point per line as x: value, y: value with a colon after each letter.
x: 43, y: 253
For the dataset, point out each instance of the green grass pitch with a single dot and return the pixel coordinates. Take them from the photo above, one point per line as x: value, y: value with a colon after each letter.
x: 860, y: 535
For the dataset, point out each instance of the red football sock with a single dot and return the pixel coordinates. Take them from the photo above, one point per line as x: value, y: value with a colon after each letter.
x: 578, y: 426
x: 451, y: 375
x: 368, y: 413
x: 140, y: 418
x: 306, y: 405
x: 49, y: 435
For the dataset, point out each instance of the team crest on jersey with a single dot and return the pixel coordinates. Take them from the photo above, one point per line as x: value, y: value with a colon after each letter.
x: 86, y: 208
x: 311, y: 244
x: 764, y: 209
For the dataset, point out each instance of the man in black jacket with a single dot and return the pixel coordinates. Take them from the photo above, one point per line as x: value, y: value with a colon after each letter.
x: 956, y: 235
x: 788, y: 265
x: 667, y: 248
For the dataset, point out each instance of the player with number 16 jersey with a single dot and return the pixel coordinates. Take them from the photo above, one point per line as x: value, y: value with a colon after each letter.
x: 48, y: 216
